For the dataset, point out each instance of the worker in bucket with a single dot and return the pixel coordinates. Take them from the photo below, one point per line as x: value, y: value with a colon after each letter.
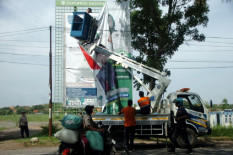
x: 89, y: 10
x: 180, y: 128
x: 144, y: 104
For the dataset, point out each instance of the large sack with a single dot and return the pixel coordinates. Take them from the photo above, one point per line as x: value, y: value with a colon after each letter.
x: 72, y: 122
x: 95, y: 140
x: 67, y: 136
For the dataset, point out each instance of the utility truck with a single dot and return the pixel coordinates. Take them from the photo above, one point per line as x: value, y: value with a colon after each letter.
x: 160, y: 122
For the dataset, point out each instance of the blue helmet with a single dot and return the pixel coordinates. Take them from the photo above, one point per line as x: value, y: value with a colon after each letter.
x: 178, y: 101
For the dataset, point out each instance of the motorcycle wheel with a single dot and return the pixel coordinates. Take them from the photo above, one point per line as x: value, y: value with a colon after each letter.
x: 114, y: 151
x: 67, y: 151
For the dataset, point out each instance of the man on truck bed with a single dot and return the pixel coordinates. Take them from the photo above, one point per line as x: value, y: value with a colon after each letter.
x: 144, y: 103
x: 180, y: 128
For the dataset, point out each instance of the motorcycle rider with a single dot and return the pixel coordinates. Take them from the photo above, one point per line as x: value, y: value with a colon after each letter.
x: 88, y: 124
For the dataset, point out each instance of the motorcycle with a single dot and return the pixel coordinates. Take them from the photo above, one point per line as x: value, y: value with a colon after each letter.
x: 111, y: 147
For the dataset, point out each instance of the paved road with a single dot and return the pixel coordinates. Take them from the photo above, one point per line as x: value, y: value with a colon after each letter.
x: 140, y: 150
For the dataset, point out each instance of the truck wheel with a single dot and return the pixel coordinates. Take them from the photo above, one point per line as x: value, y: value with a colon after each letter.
x: 114, y: 151
x: 192, y: 137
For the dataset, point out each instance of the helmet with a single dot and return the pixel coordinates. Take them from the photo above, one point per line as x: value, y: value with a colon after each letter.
x: 178, y: 101
x: 89, y: 109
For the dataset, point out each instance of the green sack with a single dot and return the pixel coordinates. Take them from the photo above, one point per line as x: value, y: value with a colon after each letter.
x: 95, y: 140
x: 72, y: 122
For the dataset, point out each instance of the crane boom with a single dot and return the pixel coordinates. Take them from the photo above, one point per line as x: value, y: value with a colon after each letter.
x: 162, y: 81
x: 84, y: 28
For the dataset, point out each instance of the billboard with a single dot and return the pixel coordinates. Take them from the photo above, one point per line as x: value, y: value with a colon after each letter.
x: 81, y: 87
x: 93, y: 78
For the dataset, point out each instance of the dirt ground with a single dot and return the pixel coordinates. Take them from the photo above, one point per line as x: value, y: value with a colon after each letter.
x: 9, y: 136
x: 11, y: 133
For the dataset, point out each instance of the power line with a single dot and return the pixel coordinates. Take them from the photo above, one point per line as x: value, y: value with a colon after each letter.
x: 24, y: 30
x: 219, y: 38
x: 203, y: 67
x: 22, y: 33
x: 205, y: 50
x: 26, y: 40
x: 218, y: 42
x: 25, y: 50
x: 210, y: 45
x: 207, y: 61
x: 23, y: 63
x: 24, y: 46
x: 24, y: 54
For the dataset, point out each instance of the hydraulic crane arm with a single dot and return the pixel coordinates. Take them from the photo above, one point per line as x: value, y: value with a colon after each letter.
x: 84, y: 28
x: 162, y: 81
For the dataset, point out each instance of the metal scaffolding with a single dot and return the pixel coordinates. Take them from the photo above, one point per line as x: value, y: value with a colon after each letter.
x: 66, y: 6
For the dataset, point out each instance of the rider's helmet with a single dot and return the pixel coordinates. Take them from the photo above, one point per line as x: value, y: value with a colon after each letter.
x: 178, y: 101
x: 89, y: 109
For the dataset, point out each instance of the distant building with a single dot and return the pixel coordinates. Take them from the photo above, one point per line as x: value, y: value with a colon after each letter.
x: 222, y: 118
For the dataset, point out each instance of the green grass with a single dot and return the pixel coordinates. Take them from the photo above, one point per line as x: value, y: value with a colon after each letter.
x: 43, y: 141
x: 31, y: 118
x: 219, y: 131
x: 2, y: 128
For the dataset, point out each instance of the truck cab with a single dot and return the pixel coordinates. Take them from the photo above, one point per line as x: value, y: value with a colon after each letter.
x: 198, y: 122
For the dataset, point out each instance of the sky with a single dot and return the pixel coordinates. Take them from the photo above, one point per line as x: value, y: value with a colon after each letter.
x: 206, y: 68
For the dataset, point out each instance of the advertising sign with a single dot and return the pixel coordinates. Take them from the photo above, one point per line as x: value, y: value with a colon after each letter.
x: 93, y: 78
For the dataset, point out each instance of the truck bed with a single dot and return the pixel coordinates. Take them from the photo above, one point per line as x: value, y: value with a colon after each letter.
x: 152, y: 119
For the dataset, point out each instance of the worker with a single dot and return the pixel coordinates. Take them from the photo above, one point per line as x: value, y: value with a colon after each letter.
x: 144, y: 104
x: 180, y: 128
x: 89, y: 10
x: 130, y: 124
x: 23, y: 124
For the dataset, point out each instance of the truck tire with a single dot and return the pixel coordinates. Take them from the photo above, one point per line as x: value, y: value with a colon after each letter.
x: 114, y: 151
x: 192, y: 137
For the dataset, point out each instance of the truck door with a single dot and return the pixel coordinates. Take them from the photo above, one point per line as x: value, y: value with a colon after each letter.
x: 197, y: 117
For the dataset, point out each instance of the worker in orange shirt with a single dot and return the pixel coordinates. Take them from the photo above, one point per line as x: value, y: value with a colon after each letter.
x: 130, y: 124
x: 144, y: 104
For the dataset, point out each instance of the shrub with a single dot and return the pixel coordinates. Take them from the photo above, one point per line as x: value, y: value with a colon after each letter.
x: 45, y: 129
x: 218, y: 131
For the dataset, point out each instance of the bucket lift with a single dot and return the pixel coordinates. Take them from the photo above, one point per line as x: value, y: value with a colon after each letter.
x: 83, y: 27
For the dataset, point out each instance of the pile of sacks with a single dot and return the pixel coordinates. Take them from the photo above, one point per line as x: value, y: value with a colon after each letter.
x: 70, y: 133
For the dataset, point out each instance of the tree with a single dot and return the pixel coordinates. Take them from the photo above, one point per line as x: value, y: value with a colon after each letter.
x: 224, y: 104
x: 159, y: 27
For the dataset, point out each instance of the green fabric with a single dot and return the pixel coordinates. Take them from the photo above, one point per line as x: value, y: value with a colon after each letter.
x: 95, y: 140
x: 72, y: 122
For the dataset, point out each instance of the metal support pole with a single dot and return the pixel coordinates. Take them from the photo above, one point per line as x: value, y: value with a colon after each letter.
x: 50, y: 83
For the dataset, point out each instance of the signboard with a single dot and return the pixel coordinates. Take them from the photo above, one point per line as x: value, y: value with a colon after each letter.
x: 79, y: 3
x: 106, y: 84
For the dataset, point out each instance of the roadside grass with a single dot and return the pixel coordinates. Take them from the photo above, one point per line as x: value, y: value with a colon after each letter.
x: 219, y: 131
x: 44, y: 139
x: 2, y: 128
x: 31, y: 118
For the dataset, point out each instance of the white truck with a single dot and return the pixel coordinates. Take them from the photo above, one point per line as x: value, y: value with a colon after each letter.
x: 161, y: 120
